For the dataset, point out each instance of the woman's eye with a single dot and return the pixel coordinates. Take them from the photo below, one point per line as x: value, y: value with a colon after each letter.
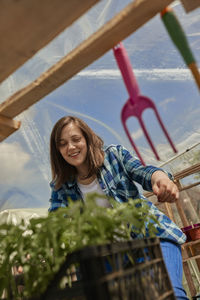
x: 76, y: 140
x: 62, y: 144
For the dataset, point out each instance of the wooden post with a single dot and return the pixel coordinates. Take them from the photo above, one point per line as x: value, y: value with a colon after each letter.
x: 169, y: 211
x: 180, y: 209
x: 190, y: 5
x: 189, y: 278
x: 7, y: 127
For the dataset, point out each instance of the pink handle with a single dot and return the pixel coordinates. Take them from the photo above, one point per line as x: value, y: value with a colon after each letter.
x: 125, y: 67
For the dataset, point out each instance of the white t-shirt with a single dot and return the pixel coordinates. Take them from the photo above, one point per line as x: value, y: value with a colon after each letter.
x: 94, y: 187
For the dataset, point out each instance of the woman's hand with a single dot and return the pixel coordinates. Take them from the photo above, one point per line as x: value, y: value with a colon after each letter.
x: 164, y: 188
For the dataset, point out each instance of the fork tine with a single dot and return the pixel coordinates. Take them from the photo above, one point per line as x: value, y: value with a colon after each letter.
x: 148, y: 138
x: 132, y: 142
x: 164, y: 129
x: 145, y: 103
x: 136, y: 103
x: 129, y: 110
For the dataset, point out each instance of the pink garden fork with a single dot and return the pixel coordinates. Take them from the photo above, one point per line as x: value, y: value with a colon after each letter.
x: 136, y: 103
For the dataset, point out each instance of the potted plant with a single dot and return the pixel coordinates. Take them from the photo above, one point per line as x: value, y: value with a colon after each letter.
x: 41, y: 247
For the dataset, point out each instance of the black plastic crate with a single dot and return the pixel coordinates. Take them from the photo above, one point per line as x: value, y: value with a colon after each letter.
x: 119, y: 271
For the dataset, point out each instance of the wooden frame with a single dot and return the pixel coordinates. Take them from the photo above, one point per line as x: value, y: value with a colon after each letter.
x: 27, y: 26
x: 182, y: 174
x: 188, y: 249
x: 190, y: 5
x: 132, y: 17
x: 7, y: 127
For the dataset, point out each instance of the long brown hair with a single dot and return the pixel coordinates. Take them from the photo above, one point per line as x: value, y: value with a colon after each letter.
x: 61, y: 170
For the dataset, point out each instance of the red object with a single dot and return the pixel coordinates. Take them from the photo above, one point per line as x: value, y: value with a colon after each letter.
x: 136, y: 103
x: 186, y: 231
x: 195, y: 232
x: 192, y: 232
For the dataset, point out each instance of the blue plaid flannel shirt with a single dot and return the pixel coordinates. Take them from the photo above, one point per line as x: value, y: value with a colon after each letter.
x: 117, y: 179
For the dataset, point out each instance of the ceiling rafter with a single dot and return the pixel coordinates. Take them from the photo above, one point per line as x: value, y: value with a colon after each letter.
x: 127, y: 21
x: 28, y: 26
x: 190, y: 5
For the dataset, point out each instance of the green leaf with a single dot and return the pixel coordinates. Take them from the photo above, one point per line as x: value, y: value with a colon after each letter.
x: 42, y: 246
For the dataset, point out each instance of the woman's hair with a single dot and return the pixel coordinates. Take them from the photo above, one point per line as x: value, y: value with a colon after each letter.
x: 61, y: 170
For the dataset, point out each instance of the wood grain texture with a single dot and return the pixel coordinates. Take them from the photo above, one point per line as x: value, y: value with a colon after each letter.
x: 26, y: 26
x: 7, y: 127
x: 190, y: 5
x: 132, y: 17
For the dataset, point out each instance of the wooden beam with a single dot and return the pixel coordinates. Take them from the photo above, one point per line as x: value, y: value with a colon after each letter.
x: 121, y: 26
x: 191, y: 243
x: 186, y: 172
x: 190, y: 5
x: 7, y: 127
x: 189, y: 279
x: 168, y: 208
x: 180, y: 209
x: 189, y: 186
x: 180, y: 175
x: 27, y: 26
x: 182, y: 188
x: 193, y: 257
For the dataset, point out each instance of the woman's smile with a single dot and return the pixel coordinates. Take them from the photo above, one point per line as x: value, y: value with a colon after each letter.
x: 74, y: 154
x: 73, y: 147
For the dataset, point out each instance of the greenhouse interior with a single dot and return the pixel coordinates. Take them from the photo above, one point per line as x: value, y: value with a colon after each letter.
x: 58, y: 59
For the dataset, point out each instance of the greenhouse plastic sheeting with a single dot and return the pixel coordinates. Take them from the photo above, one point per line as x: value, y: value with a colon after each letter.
x: 15, y: 216
x: 97, y: 94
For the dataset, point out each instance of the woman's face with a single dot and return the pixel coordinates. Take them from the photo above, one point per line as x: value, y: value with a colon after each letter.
x: 73, y: 147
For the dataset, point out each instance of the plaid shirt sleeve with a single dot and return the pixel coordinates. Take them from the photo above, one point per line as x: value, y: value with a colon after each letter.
x: 135, y: 170
x: 58, y: 198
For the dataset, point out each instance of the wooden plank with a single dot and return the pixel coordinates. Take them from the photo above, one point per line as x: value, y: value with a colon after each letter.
x: 132, y: 17
x: 190, y: 5
x: 182, y: 188
x: 189, y: 186
x: 188, y: 171
x: 181, y: 210
x: 188, y: 275
x: 28, y: 25
x: 189, y: 278
x: 191, y: 243
x: 192, y: 257
x: 180, y: 175
x: 168, y: 208
x: 194, y: 253
x: 7, y: 127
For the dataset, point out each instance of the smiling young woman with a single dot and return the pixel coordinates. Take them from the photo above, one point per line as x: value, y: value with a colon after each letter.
x: 75, y: 152
x: 80, y: 164
x: 73, y: 148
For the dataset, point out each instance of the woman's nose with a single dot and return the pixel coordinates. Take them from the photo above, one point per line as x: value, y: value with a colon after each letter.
x: 71, y: 145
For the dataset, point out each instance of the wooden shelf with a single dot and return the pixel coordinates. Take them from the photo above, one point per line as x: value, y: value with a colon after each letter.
x: 28, y: 26
x: 192, y: 250
x: 192, y: 243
